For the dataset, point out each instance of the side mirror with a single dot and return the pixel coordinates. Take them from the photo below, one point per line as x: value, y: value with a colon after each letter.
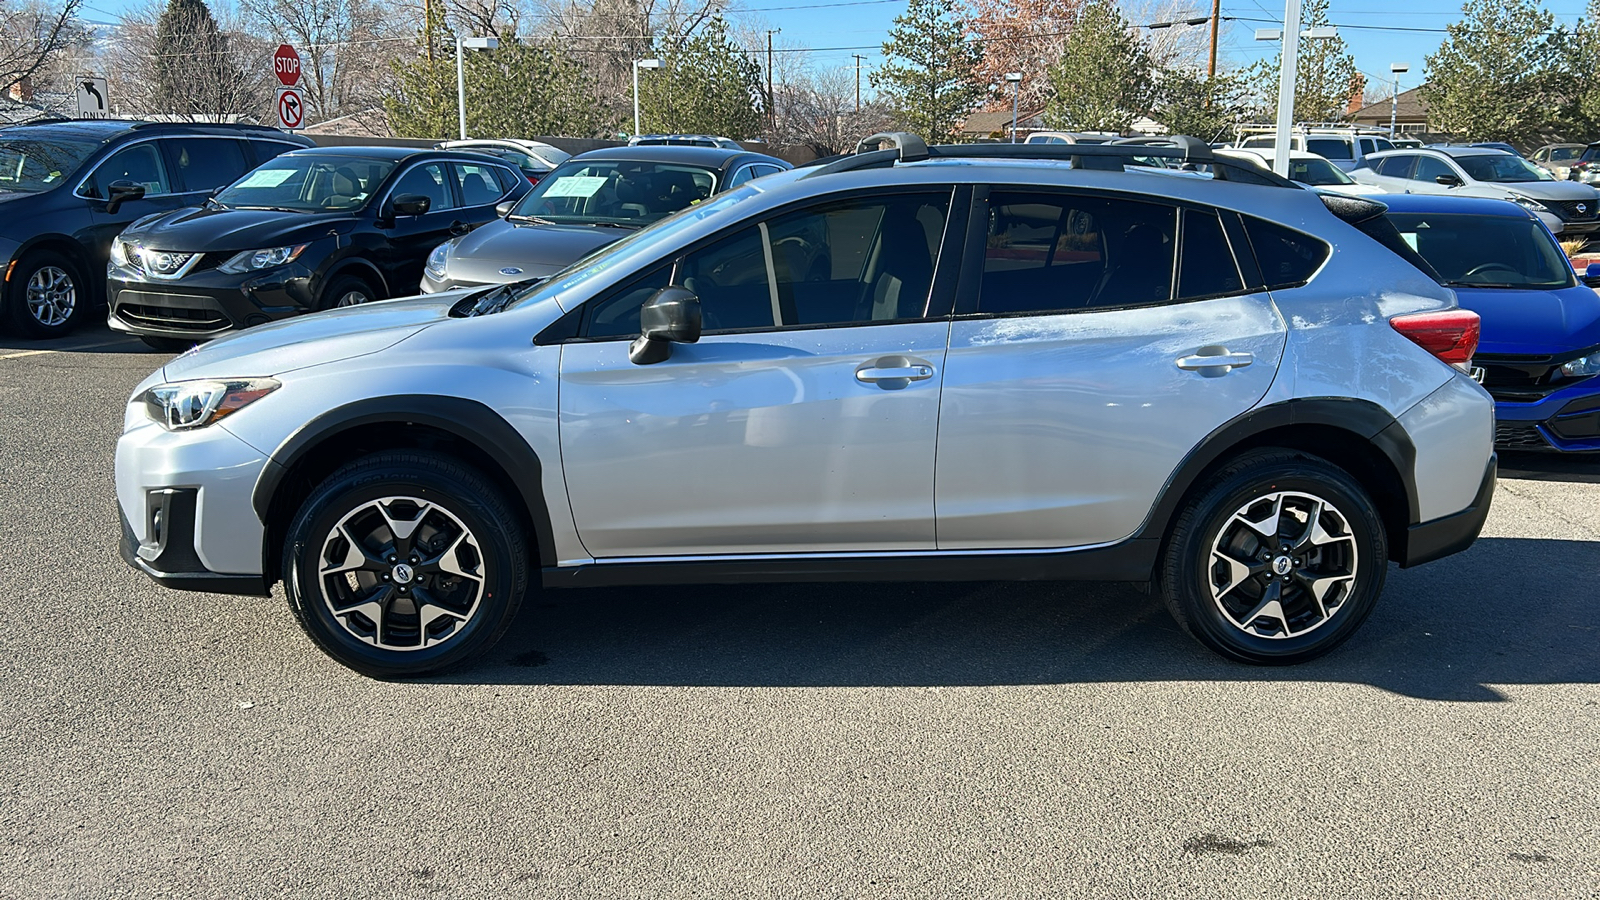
x: 121, y: 192
x: 1591, y: 276
x: 1448, y: 180
x: 409, y: 204
x: 504, y: 208
x: 671, y: 315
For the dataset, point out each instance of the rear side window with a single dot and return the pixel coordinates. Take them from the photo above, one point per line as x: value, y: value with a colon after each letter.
x: 1206, y: 265
x: 478, y: 185
x: 1331, y: 148
x: 1287, y: 258
x: 1383, y: 145
x: 1397, y: 166
x: 206, y: 163
x: 1368, y: 146
x: 1047, y: 254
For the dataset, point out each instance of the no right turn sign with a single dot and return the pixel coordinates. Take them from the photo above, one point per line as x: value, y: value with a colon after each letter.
x: 291, y: 108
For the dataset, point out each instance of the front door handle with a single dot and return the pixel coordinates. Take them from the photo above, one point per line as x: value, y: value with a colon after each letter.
x: 893, y: 373
x: 1214, y: 361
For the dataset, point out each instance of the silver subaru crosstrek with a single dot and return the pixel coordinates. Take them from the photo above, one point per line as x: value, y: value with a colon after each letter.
x: 912, y: 363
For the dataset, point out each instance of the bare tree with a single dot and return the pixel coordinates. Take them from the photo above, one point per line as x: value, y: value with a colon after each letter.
x: 191, y: 77
x: 1177, y: 46
x: 33, y: 34
x: 817, y: 109
x: 344, y: 46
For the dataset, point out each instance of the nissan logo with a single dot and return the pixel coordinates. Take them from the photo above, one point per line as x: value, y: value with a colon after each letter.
x: 513, y: 270
x: 1582, y: 207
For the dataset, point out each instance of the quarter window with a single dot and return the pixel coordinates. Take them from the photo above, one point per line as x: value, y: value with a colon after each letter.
x: 1287, y: 258
x: 1045, y: 255
x: 1207, y: 267
x: 140, y: 164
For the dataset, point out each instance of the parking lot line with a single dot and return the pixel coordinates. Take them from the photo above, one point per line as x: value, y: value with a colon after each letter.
x: 23, y: 353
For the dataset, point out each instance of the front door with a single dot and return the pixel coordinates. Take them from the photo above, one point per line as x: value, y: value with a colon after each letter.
x: 803, y: 420
x: 1083, y: 371
x: 142, y: 164
x: 412, y: 238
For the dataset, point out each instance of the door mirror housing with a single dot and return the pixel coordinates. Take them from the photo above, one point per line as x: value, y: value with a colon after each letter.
x: 1448, y: 180
x: 670, y: 316
x: 1591, y: 275
x: 504, y: 207
x: 409, y: 204
x: 121, y: 192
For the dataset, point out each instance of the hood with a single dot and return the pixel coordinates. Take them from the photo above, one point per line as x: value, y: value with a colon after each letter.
x: 198, y: 230
x: 1552, y: 190
x: 1535, y: 322
x: 538, y: 250
x: 313, y: 339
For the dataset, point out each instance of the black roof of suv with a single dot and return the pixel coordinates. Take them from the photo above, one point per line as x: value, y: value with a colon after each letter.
x: 68, y: 186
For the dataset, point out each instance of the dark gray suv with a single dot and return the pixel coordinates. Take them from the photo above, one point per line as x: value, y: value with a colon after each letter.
x: 67, y: 187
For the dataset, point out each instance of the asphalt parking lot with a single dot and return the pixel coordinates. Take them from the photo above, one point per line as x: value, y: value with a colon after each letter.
x: 919, y: 740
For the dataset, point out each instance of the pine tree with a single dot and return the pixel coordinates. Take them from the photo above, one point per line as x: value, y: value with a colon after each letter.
x: 1187, y: 102
x: 193, y: 67
x: 1326, y: 77
x: 1498, y: 75
x: 422, y: 103
x: 1582, y: 66
x: 707, y: 84
x: 927, y: 76
x: 1104, y: 79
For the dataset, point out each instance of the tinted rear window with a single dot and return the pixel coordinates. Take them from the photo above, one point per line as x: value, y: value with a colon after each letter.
x: 1331, y: 148
x: 1287, y: 258
x: 1486, y: 251
x: 1206, y: 267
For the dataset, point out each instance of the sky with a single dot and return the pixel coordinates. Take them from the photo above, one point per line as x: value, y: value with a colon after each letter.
x: 1376, y: 32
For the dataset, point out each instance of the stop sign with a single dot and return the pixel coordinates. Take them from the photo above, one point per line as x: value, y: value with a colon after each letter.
x: 286, y: 65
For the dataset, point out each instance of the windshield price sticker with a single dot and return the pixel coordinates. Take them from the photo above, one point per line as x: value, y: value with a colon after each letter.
x: 576, y: 186
x: 266, y: 178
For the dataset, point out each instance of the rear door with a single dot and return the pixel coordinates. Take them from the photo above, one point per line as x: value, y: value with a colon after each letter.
x: 200, y: 165
x: 804, y: 419
x: 1098, y: 340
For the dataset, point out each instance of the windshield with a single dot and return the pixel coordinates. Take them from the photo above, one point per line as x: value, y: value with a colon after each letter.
x: 645, y: 242
x: 1331, y: 148
x: 1317, y: 172
x: 1502, y: 168
x: 32, y: 166
x: 615, y: 192
x: 308, y: 183
x: 1486, y: 251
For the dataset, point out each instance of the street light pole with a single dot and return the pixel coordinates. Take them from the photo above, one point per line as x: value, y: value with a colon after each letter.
x: 474, y: 43
x: 1288, y: 70
x: 1394, y: 100
x: 637, y: 65
x: 1016, y: 87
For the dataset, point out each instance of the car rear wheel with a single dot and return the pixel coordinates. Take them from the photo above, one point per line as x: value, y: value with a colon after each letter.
x: 1277, y: 559
x: 46, y: 295
x: 404, y: 564
x: 347, y: 290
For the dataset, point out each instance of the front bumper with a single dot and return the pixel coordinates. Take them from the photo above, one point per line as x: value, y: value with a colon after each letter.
x: 1567, y: 420
x: 1453, y: 533
x: 207, y: 303
x: 185, y: 501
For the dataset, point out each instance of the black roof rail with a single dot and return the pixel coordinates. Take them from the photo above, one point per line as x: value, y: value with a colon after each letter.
x: 1111, y: 157
x: 241, y: 126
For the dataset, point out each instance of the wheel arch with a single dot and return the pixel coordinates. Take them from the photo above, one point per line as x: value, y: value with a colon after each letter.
x: 464, y: 428
x: 67, y: 246
x: 1356, y: 435
x: 355, y: 265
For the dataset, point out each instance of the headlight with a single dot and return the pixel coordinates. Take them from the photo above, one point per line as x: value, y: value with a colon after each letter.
x: 1532, y: 204
x: 119, y: 251
x: 437, y: 260
x: 252, y: 260
x: 196, y: 404
x: 1583, y: 365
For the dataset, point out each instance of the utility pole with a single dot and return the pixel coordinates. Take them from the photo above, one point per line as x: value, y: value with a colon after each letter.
x: 858, y: 58
x: 1216, y: 23
x: 772, y: 111
x: 1288, y: 68
x: 427, y: 25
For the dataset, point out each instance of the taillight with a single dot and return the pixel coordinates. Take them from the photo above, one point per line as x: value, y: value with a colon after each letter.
x: 1450, y: 334
x: 534, y: 179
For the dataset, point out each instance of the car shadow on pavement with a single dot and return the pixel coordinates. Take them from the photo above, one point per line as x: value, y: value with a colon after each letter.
x: 1508, y: 611
x: 93, y: 337
x: 1533, y: 466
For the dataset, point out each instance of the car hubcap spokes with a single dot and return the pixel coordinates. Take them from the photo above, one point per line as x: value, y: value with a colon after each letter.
x: 401, y: 573
x: 51, y: 296
x: 351, y: 298
x: 1283, y: 565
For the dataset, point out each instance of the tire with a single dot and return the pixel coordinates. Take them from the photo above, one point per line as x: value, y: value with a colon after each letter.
x: 374, y: 609
x: 47, y: 295
x: 347, y: 290
x: 166, y: 344
x: 1325, y: 583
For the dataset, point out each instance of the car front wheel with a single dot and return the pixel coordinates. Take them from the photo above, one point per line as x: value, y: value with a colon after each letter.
x: 47, y: 295
x: 1276, y: 560
x: 404, y: 564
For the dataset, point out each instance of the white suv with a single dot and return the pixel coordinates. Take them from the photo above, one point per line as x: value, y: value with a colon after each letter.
x: 919, y: 363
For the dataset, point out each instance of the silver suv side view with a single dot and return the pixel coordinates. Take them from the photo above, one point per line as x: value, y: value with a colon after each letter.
x: 913, y: 363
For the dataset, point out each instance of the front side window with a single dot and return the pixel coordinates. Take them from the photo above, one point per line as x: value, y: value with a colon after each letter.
x: 308, y: 183
x: 206, y: 163
x: 1429, y: 169
x: 1045, y: 254
x: 31, y: 166
x: 426, y: 181
x: 1287, y: 258
x: 139, y: 164
x: 1486, y: 251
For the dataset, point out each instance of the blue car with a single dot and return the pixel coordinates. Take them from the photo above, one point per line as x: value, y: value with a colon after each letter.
x: 1540, y: 349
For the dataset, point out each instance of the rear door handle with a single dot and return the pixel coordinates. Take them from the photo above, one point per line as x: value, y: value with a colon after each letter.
x: 1214, y: 361
x: 909, y: 373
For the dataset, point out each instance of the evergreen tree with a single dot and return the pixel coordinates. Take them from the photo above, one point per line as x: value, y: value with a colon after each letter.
x: 707, y: 84
x: 1326, y: 77
x: 1582, y: 66
x: 422, y: 102
x: 927, y: 77
x: 1104, y: 79
x: 1187, y: 102
x: 194, y: 71
x: 1498, y: 75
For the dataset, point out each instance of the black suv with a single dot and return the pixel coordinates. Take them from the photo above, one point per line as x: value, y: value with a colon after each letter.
x: 308, y: 230
x: 67, y: 187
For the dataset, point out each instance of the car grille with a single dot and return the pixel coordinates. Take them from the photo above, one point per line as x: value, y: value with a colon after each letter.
x: 1519, y: 379
x: 147, y: 310
x: 1569, y: 210
x: 1519, y: 436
